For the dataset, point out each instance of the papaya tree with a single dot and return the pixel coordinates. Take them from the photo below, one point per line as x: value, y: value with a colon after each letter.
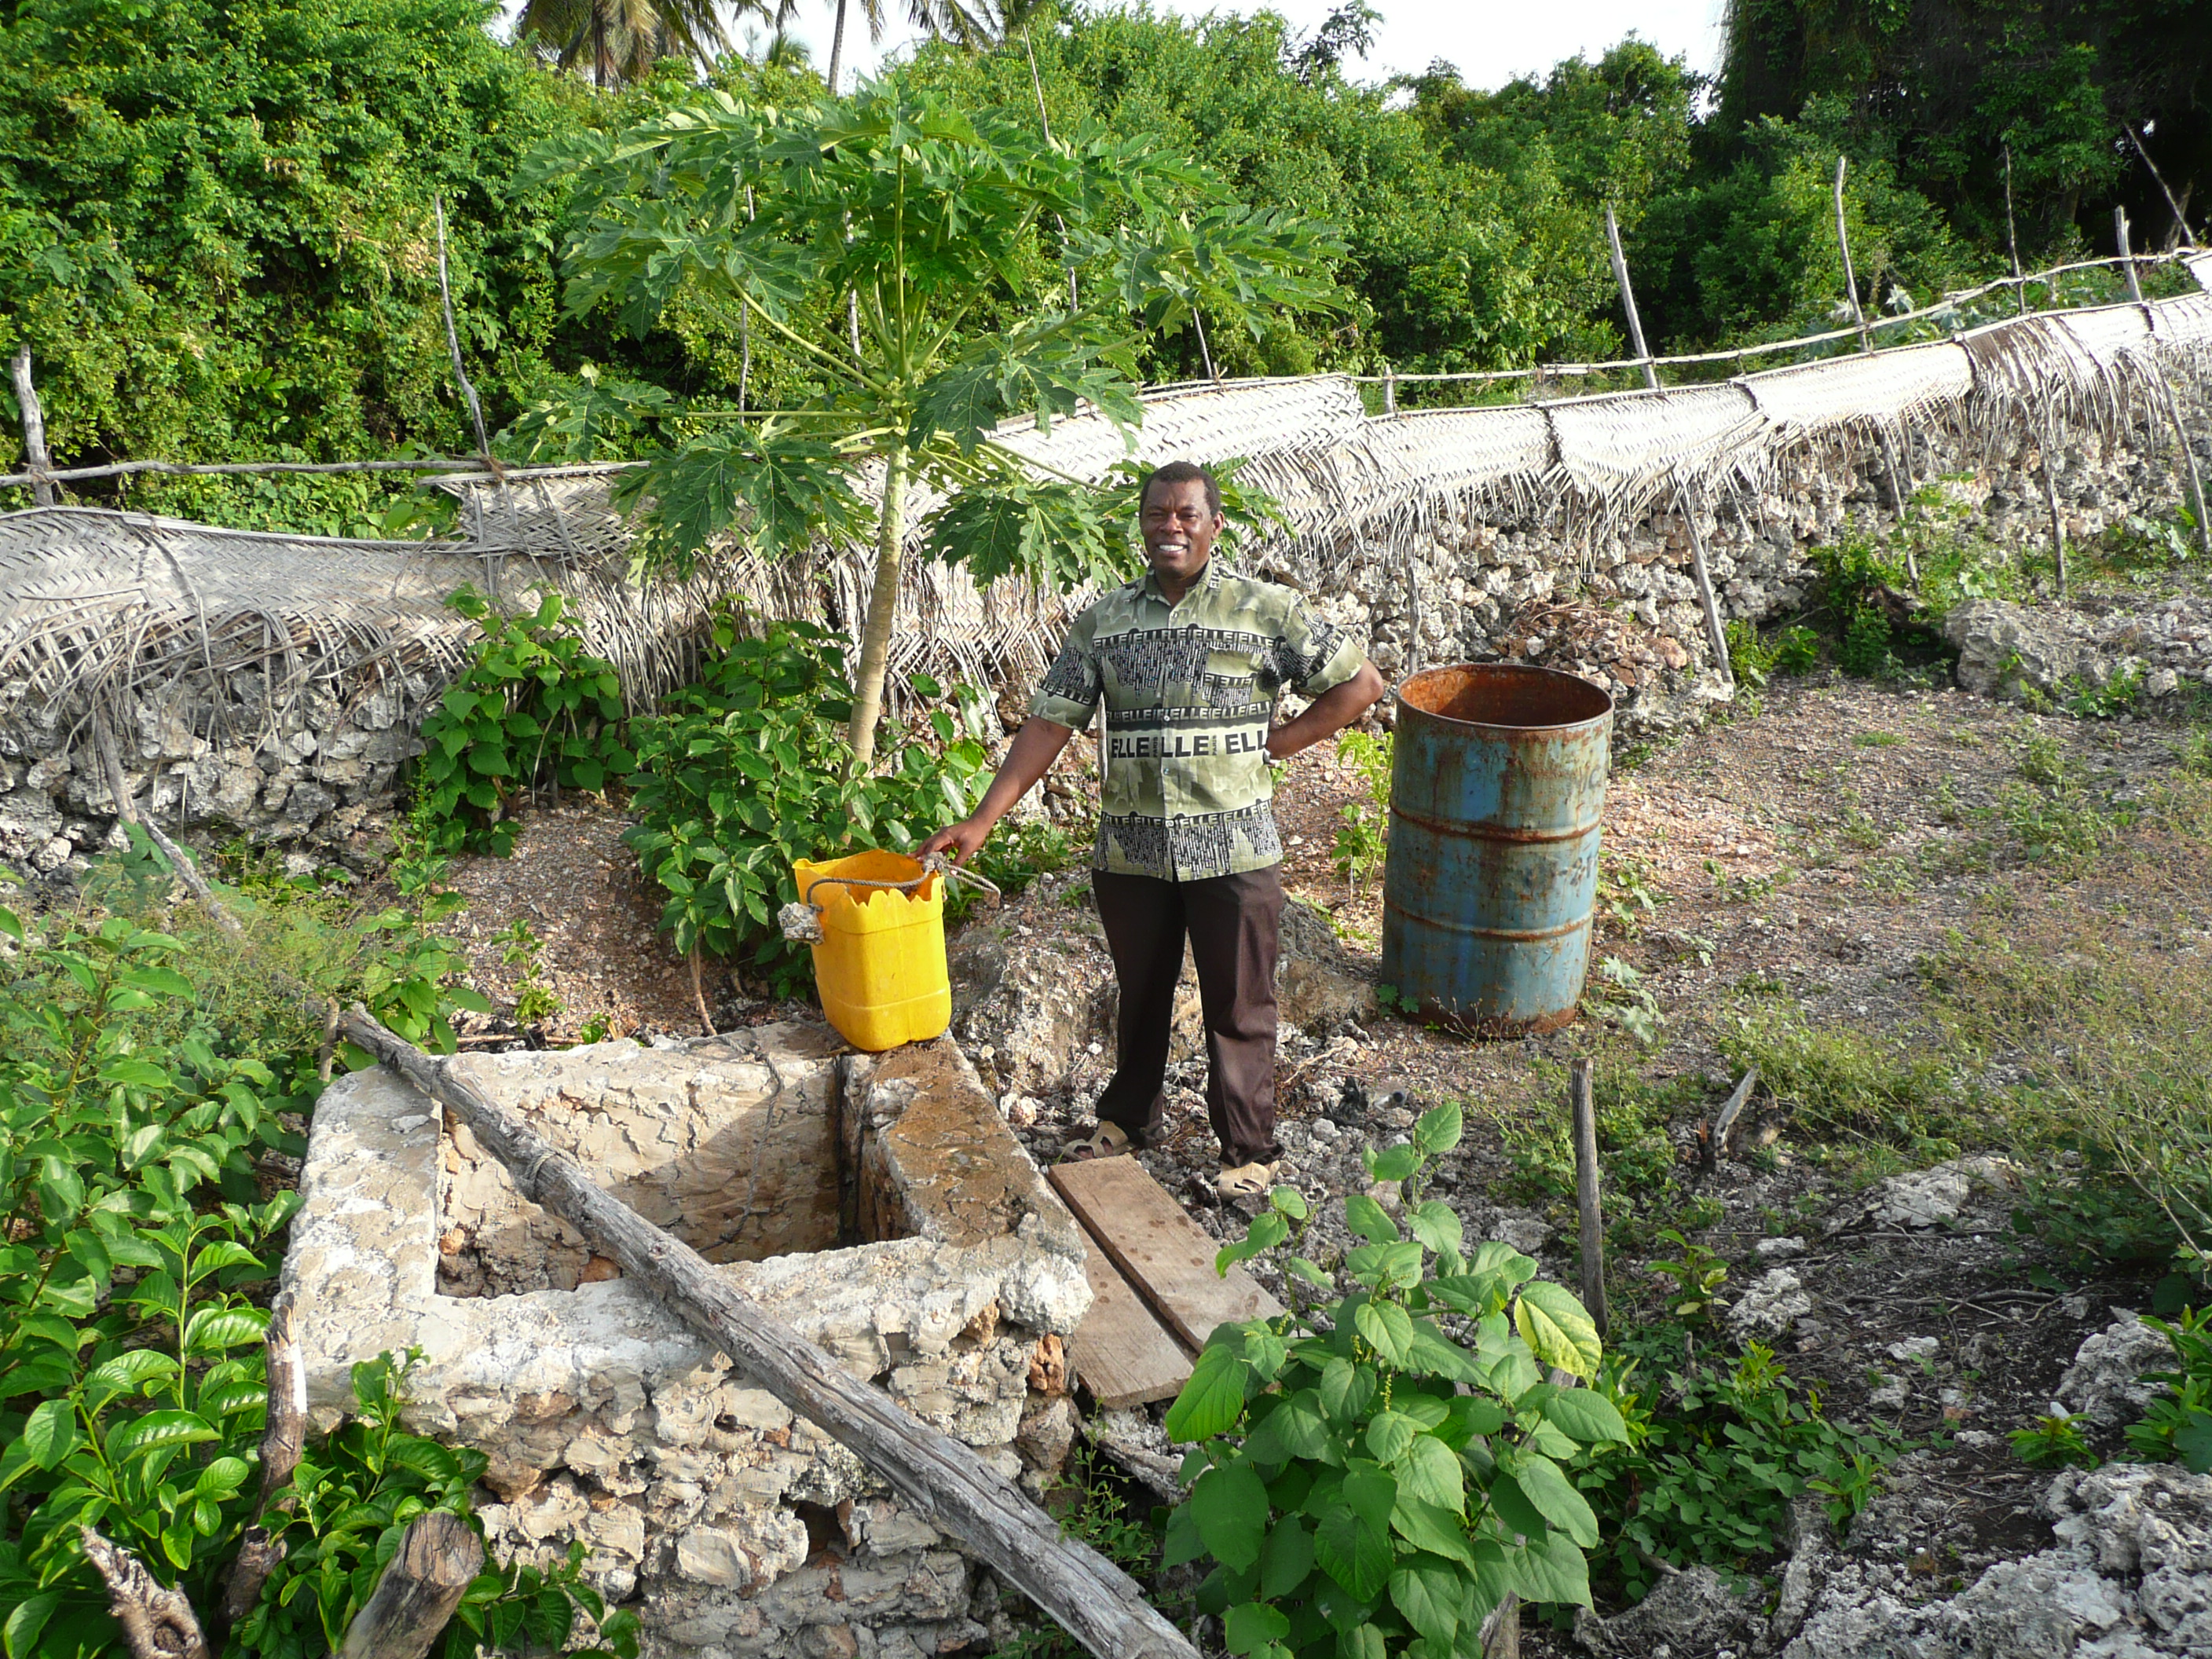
x: 915, y: 260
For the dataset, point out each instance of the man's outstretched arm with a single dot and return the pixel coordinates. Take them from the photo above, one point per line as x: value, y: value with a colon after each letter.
x: 1328, y: 714
x: 1034, y: 748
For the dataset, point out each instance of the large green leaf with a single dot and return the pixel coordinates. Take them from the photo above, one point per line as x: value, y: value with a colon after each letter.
x: 778, y: 489
x: 1229, y: 1503
x: 1287, y: 1557
x: 1545, y: 1485
x: 1294, y: 1429
x: 1388, y: 1327
x: 1345, y: 1388
x: 1551, y: 1570
x: 1250, y: 1626
x: 1426, y: 1590
x: 50, y: 1433
x: 157, y: 1429
x: 1430, y: 1527
x: 1587, y: 1415
x: 1214, y: 1400
x: 1352, y: 1550
x: 1431, y: 1471
x: 1364, y: 1217
x: 1557, y: 1328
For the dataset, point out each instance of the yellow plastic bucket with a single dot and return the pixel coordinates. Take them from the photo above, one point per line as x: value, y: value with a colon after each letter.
x: 880, y: 963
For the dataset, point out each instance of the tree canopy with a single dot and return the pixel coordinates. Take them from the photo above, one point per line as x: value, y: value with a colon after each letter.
x: 216, y: 227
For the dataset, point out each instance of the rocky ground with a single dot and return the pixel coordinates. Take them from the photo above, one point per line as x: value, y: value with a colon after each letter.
x: 1807, y: 867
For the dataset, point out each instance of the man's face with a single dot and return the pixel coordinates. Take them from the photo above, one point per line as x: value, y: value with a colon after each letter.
x: 1179, y: 529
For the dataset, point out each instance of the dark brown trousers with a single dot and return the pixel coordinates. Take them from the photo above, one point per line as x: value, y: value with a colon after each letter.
x: 1234, y: 924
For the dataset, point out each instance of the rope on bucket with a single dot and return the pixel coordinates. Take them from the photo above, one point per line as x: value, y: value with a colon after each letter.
x: 801, y: 921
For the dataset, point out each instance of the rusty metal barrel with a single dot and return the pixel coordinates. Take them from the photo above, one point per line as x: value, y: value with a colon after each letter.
x: 1497, y: 789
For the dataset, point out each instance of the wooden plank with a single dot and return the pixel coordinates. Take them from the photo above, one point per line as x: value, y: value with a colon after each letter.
x: 1122, y: 1354
x: 1164, y: 1255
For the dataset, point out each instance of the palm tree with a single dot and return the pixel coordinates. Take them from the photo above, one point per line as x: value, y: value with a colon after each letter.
x: 621, y: 40
x: 971, y: 23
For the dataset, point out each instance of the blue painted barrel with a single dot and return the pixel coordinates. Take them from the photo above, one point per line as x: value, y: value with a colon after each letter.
x: 1497, y: 789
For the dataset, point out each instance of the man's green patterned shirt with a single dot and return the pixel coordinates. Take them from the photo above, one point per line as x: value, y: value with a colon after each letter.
x: 1190, y: 693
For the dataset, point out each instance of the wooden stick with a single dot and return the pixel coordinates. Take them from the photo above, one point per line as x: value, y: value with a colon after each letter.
x: 1844, y: 241
x: 2180, y: 219
x: 2012, y: 238
x: 941, y: 1479
x: 2165, y: 392
x: 437, y: 1559
x: 1731, y: 1109
x: 283, y: 1437
x: 1582, y: 1102
x: 127, y: 809
x: 699, y: 996
x: 34, y: 429
x: 453, y: 337
x: 1628, y: 301
x: 1500, y: 1635
x: 1703, y: 575
x: 157, y: 1622
x: 2051, y: 500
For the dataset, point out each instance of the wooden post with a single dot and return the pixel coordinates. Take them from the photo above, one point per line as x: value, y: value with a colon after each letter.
x: 453, y: 337
x: 2050, y: 436
x: 1866, y: 344
x: 1724, y: 1125
x: 1628, y: 300
x: 283, y: 1436
x: 1582, y: 1101
x: 1844, y: 241
x: 2196, y: 479
x: 35, y: 458
x: 1205, y: 351
x: 2180, y: 219
x: 1714, y: 632
x: 437, y: 1559
x: 2012, y: 238
x: 942, y: 1479
x: 1389, y: 390
x: 158, y: 1622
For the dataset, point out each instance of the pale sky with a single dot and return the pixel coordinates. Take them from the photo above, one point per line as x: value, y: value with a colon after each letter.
x: 1490, y: 42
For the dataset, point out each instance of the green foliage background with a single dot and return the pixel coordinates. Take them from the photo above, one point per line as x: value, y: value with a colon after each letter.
x: 216, y: 215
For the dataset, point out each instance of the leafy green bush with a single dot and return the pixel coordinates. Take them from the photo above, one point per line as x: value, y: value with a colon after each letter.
x: 532, y: 707
x: 1366, y: 1482
x: 353, y: 1496
x: 127, y: 1168
x: 1717, y: 1453
x: 751, y: 771
x: 1362, y: 837
x: 2177, y: 1427
x: 1796, y: 650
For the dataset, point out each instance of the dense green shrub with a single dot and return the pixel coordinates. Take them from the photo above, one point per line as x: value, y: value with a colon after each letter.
x: 1365, y: 1482
x: 749, y: 771
x: 1717, y: 1450
x: 532, y: 707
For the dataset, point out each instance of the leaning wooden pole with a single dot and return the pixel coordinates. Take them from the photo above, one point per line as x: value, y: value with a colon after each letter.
x: 1093, y: 1601
x: 2196, y: 479
x: 36, y: 461
x: 1628, y: 300
x: 1866, y: 344
x: 1581, y: 1102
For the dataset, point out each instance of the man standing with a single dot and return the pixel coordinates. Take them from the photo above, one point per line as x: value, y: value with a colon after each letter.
x: 1189, y: 659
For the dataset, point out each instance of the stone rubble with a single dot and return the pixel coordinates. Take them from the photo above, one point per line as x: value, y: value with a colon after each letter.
x: 2105, y: 1382
x: 2129, y: 1577
x: 1770, y: 1306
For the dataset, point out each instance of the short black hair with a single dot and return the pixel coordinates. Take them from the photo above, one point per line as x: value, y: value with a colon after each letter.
x: 1176, y: 472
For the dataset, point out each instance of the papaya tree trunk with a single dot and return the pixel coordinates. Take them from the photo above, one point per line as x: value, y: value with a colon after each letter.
x: 883, y: 612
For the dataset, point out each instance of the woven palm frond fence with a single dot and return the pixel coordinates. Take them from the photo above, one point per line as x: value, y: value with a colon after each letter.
x: 95, y: 605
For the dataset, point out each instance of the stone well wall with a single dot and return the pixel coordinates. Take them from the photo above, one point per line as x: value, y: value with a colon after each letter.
x: 952, y: 1274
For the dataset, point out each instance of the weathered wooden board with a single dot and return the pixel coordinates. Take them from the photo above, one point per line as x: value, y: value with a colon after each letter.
x: 1161, y: 1251
x: 1122, y: 1354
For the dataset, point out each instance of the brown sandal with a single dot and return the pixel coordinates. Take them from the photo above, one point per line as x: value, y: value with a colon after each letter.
x: 1107, y: 1140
